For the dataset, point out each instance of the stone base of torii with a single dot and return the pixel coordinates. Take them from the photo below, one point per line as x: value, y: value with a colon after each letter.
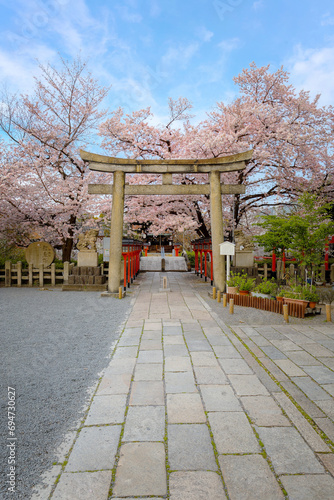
x: 120, y: 167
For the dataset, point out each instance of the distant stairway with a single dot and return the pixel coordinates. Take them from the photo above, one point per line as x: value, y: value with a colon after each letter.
x: 154, y: 263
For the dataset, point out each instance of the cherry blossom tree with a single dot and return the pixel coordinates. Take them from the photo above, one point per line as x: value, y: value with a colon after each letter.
x: 290, y: 134
x: 44, y: 180
x: 134, y: 137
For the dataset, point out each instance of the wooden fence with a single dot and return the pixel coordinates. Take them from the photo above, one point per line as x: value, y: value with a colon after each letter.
x: 15, y: 275
x: 271, y: 305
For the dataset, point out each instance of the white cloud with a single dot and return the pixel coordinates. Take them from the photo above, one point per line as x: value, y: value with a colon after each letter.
x: 327, y: 19
x: 229, y: 45
x: 204, y: 34
x: 178, y: 56
x: 313, y: 70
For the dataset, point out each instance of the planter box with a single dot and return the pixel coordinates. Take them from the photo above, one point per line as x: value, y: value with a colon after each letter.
x: 232, y: 289
x: 304, y: 303
x: 261, y: 295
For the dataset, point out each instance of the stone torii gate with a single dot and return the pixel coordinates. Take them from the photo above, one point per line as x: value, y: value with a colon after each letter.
x: 119, y: 167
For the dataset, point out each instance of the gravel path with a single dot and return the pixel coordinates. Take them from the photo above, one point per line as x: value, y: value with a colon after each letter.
x: 54, y: 345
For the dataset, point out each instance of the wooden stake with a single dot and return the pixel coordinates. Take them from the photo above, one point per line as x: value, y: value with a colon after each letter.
x: 214, y: 293
x: 219, y: 298
x: 328, y: 313
x: 231, y: 306
x: 224, y: 300
x: 285, y: 313
x: 120, y: 293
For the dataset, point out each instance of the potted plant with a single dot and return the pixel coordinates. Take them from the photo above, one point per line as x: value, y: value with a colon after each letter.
x: 265, y: 289
x: 232, y: 283
x: 245, y: 284
x: 294, y: 294
x: 311, y: 295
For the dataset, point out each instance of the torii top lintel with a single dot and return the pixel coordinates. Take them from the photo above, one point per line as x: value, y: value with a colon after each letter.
x: 230, y: 163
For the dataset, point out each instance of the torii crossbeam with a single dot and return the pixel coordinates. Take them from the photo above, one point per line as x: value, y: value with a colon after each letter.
x: 120, y: 167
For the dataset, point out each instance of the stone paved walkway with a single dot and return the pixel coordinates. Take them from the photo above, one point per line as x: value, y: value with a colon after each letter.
x: 191, y: 409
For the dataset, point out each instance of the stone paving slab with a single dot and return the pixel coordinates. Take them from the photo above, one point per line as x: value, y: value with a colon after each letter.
x: 290, y: 368
x: 83, y: 485
x: 249, y: 477
x: 288, y: 451
x: 219, y: 398
x: 190, y: 447
x: 235, y: 367
x: 148, y: 371
x: 197, y: 485
x: 185, y: 409
x: 320, y: 487
x: 107, y: 410
x: 247, y: 385
x: 264, y: 411
x: 311, y: 389
x: 145, y: 423
x: 190, y: 398
x: 95, y: 449
x: 176, y: 382
x: 147, y: 393
x: 233, y: 433
x: 141, y: 470
x: 307, y: 431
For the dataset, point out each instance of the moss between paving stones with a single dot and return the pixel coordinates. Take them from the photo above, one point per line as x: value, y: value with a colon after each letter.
x: 327, y: 440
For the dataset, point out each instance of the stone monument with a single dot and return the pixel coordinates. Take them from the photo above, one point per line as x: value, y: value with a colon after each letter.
x: 39, y: 253
x: 87, y: 255
x: 244, y: 250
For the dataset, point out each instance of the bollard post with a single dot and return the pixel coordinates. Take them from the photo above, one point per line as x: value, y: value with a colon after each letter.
x: 285, y: 313
x: 214, y: 295
x: 224, y: 300
x: 328, y: 313
x: 219, y: 299
x: 164, y: 282
x: 120, y: 293
x: 231, y: 306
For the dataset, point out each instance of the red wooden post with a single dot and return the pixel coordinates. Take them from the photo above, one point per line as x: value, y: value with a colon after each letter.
x: 211, y: 267
x: 125, y: 259
x: 273, y: 262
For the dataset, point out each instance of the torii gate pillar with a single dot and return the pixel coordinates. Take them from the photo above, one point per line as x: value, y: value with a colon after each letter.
x: 217, y: 232
x: 116, y: 232
x: 121, y: 166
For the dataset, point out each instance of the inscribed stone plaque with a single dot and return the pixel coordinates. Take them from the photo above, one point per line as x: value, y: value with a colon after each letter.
x: 39, y: 253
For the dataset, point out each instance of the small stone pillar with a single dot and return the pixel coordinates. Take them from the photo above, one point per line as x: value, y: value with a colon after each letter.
x: 30, y: 275
x: 66, y: 271
x: 41, y: 275
x: 19, y: 273
x: 8, y: 273
x: 53, y: 274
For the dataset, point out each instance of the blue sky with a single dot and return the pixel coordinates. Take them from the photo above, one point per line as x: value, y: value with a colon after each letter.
x: 149, y: 50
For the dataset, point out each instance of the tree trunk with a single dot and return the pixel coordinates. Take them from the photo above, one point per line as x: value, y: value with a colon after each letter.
x: 67, y: 249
